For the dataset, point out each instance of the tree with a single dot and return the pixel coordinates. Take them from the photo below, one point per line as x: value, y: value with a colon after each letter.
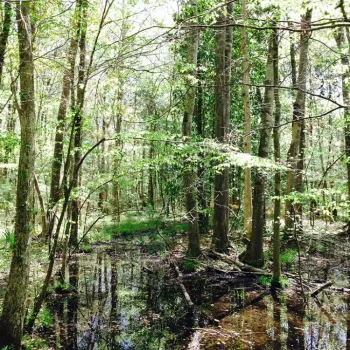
x: 189, y: 177
x: 295, y: 157
x: 277, y: 157
x: 247, y: 129
x: 223, y: 56
x: 255, y: 254
x: 343, y: 40
x: 12, y: 317
x: 6, y: 26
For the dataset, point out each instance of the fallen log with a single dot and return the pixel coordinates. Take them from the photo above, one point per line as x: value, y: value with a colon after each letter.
x: 238, y: 264
x: 321, y: 288
x: 182, y: 287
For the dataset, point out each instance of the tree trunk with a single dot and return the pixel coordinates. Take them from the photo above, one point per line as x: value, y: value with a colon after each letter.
x: 189, y: 177
x: 341, y: 41
x: 223, y: 54
x: 68, y: 79
x: 295, y: 153
x: 118, y: 155
x: 6, y: 26
x: 203, y: 217
x: 255, y: 254
x: 78, y: 119
x: 277, y: 156
x: 247, y: 130
x: 11, y: 321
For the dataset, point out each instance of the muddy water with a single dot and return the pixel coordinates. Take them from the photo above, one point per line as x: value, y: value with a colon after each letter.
x: 125, y: 298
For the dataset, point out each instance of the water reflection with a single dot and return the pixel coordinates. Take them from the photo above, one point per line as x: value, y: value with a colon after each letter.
x: 284, y: 322
x: 127, y: 300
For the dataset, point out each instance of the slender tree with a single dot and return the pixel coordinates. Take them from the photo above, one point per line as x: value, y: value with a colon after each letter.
x: 343, y: 40
x: 68, y: 79
x: 223, y: 58
x: 78, y: 121
x: 4, y: 35
x: 277, y: 157
x: 247, y: 128
x: 296, y: 149
x: 11, y: 321
x: 189, y: 177
x: 254, y: 254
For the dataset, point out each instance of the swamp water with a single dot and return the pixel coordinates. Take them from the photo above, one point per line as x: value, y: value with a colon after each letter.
x: 126, y: 298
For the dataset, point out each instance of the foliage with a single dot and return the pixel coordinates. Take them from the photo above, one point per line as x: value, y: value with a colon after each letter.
x: 190, y: 265
x: 288, y: 257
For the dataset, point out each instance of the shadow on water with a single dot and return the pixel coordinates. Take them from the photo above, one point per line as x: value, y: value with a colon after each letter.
x: 125, y: 298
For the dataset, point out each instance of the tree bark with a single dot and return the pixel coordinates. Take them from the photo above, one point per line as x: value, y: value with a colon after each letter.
x: 6, y: 26
x: 68, y: 79
x: 255, y: 254
x: 78, y: 119
x: 277, y: 156
x: 223, y: 55
x: 11, y: 321
x: 247, y: 129
x: 295, y: 152
x: 342, y: 40
x: 189, y: 177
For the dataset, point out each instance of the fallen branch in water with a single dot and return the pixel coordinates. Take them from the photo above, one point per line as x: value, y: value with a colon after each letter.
x: 182, y: 287
x: 240, y: 266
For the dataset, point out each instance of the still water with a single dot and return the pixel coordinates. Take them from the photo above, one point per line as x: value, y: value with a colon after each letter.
x: 126, y: 298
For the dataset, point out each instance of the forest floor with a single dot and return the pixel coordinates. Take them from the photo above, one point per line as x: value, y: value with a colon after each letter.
x: 140, y: 291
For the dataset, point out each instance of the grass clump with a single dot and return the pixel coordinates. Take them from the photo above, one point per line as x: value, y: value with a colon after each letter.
x: 86, y: 248
x: 136, y: 225
x: 9, y: 238
x: 288, y: 257
x: 130, y: 227
x: 264, y: 280
x: 190, y: 265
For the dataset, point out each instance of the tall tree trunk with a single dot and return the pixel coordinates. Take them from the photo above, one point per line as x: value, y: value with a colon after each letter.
x: 6, y: 26
x: 295, y: 153
x: 189, y: 177
x: 343, y: 40
x: 203, y: 217
x: 223, y: 55
x: 247, y: 129
x: 11, y: 321
x: 277, y: 156
x: 118, y: 155
x: 68, y: 78
x: 78, y: 119
x: 255, y: 254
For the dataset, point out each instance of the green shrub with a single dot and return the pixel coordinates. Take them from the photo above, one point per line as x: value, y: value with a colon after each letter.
x: 288, y: 257
x: 190, y: 265
x: 44, y: 318
x: 264, y: 280
x: 63, y: 288
x: 86, y: 248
